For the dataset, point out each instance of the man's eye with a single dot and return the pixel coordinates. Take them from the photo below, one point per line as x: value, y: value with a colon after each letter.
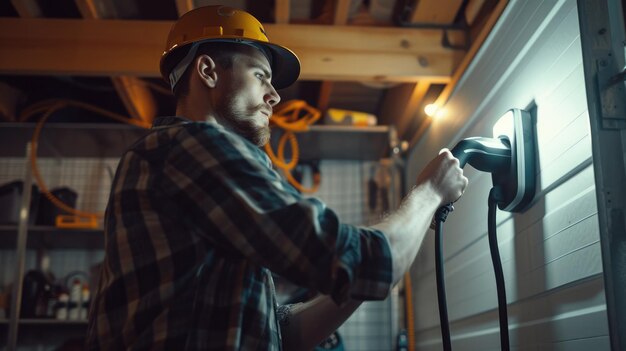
x: 260, y: 75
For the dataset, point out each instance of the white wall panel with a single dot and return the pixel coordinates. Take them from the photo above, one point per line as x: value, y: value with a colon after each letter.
x: 550, y: 253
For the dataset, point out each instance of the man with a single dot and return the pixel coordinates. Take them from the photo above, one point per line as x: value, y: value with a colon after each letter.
x: 197, y: 218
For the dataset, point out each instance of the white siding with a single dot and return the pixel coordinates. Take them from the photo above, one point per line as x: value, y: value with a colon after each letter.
x: 550, y: 253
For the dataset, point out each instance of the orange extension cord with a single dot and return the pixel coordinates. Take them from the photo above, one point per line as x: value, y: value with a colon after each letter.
x: 287, y: 117
x: 48, y: 107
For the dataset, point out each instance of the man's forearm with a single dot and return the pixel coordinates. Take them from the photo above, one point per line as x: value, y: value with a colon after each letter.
x: 406, y: 227
x: 309, y: 323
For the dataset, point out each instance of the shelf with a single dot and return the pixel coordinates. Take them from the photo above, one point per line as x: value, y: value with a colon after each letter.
x: 110, y: 140
x: 343, y: 142
x: 70, y: 139
x: 53, y: 238
x: 45, y: 322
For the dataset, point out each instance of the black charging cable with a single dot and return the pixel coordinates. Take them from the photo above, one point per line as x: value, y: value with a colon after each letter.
x: 494, y: 198
x: 440, y: 217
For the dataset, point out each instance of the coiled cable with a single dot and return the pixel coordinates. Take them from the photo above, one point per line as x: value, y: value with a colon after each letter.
x: 293, y: 116
x: 48, y: 107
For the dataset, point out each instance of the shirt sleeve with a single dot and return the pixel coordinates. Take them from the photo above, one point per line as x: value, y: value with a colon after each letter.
x: 244, y: 208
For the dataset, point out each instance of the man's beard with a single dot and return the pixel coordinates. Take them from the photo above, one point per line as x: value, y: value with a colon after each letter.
x: 241, y: 121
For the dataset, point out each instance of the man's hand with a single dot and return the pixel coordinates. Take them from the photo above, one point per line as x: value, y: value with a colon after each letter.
x: 445, y: 177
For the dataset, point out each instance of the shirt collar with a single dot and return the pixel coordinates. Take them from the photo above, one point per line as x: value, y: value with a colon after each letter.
x: 168, y: 121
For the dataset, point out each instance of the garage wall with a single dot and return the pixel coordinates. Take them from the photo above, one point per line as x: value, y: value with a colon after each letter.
x: 551, y: 253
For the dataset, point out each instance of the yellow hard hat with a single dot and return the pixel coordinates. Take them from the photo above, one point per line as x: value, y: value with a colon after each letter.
x: 219, y: 24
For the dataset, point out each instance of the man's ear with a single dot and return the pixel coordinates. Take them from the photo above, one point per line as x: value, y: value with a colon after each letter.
x: 205, y: 66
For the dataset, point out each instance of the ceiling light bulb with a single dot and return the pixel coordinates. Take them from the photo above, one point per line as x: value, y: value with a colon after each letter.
x: 431, y: 109
x: 440, y: 113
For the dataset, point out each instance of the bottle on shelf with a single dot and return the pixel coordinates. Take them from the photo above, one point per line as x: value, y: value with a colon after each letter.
x: 4, y: 303
x: 75, y: 300
x: 35, y: 295
x: 85, y: 299
x: 62, y: 304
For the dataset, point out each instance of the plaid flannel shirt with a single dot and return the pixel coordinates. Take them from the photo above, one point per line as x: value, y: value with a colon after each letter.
x: 196, y: 220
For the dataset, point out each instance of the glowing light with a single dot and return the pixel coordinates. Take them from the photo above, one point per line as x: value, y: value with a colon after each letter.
x: 431, y: 109
x: 441, y: 113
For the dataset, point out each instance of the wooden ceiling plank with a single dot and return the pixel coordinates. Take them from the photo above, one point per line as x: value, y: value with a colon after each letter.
x: 184, y: 6
x: 136, y: 97
x: 282, y: 11
x: 96, y: 9
x: 112, y: 32
x: 340, y: 17
x: 27, y: 8
x: 364, y: 65
x: 478, y: 42
x: 401, y: 104
x: 323, y: 101
x: 415, y: 102
x: 381, y: 39
x: 435, y: 11
x: 86, y: 8
x: 122, y: 47
x: 342, y: 11
x: 460, y: 69
x: 472, y: 10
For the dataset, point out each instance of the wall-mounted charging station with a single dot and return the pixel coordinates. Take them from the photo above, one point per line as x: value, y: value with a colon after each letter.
x: 510, y: 158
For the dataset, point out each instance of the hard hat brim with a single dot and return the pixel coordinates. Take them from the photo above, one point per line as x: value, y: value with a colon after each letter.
x: 285, y: 65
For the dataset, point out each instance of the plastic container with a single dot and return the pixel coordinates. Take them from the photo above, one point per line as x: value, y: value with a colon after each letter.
x: 75, y: 301
x: 48, y: 211
x: 61, y: 307
x: 37, y: 289
x: 11, y: 201
x: 336, y: 116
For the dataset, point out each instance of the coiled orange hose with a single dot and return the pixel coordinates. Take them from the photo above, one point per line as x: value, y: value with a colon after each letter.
x: 49, y: 107
x: 288, y: 117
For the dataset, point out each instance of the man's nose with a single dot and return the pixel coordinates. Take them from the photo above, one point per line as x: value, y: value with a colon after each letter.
x: 272, y: 98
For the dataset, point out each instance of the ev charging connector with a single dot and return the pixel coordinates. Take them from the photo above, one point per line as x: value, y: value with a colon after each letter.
x: 510, y: 158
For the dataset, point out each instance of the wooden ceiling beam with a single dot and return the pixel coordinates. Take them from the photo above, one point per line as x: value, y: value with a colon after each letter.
x: 96, y: 9
x: 472, y: 9
x: 323, y: 99
x: 27, y: 8
x: 443, y: 97
x: 342, y: 11
x: 281, y: 12
x: 136, y: 96
x: 435, y: 11
x: 392, y: 40
x: 401, y: 104
x: 122, y: 47
x: 184, y: 6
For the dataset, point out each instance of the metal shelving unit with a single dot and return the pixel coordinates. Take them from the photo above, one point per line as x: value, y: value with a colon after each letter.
x: 67, y: 140
x: 46, y: 322
x: 49, y: 237
x: 110, y: 140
